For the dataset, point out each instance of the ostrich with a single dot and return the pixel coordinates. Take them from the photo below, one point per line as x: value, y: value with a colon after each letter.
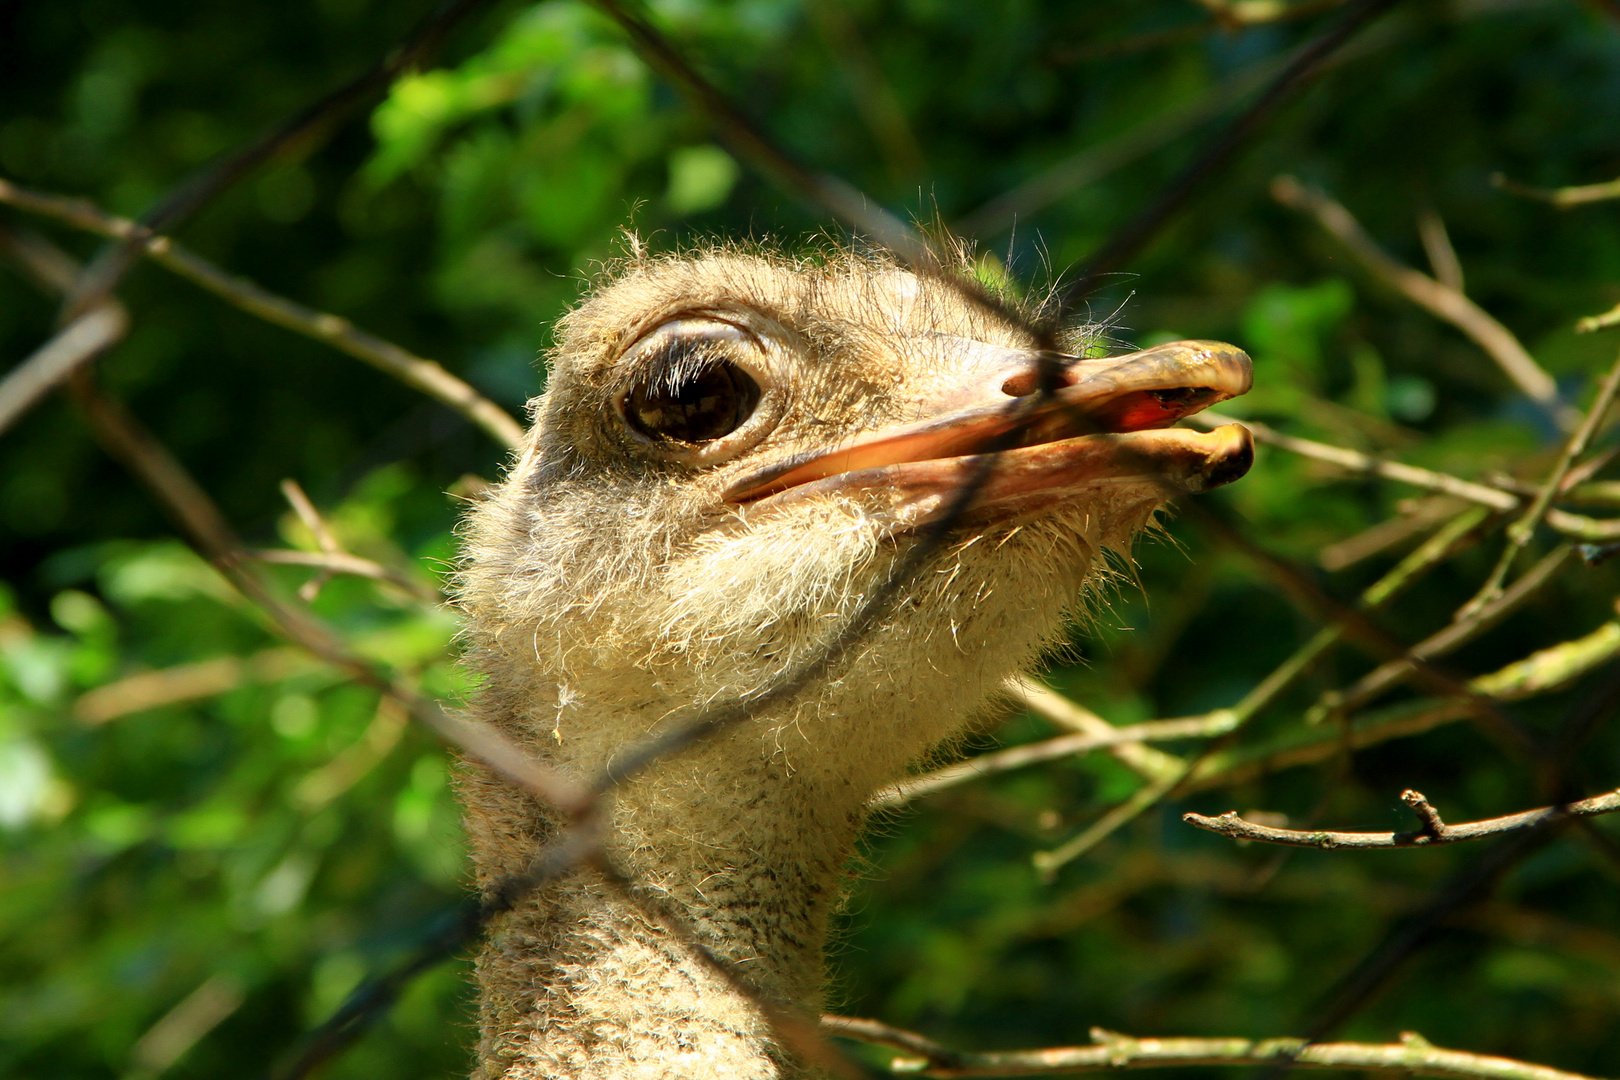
x: 732, y: 451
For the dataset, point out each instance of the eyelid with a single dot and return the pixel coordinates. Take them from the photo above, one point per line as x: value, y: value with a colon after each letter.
x: 756, y: 355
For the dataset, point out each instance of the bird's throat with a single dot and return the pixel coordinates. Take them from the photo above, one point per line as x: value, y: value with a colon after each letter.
x: 746, y: 850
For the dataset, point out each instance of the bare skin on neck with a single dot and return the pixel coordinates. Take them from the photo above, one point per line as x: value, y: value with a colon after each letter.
x: 731, y: 452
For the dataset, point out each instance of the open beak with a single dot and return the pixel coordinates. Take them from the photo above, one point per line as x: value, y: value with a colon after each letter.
x: 1105, y: 422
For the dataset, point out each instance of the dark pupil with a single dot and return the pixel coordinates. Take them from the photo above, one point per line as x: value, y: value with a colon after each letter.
x: 698, y: 408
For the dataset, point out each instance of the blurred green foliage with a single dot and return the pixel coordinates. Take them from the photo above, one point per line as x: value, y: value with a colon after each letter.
x: 249, y: 853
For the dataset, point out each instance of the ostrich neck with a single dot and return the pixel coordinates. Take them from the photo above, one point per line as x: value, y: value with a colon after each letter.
x: 745, y: 845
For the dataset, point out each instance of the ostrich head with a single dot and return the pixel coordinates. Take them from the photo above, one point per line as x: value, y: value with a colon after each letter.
x: 732, y: 452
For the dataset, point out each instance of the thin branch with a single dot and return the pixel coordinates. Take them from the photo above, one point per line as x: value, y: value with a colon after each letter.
x: 1599, y: 322
x: 1145, y: 761
x: 1301, y: 70
x: 1444, y: 303
x: 1111, y: 1052
x: 1452, y: 637
x: 69, y: 349
x: 1018, y: 757
x: 416, y: 372
x: 293, y: 492
x: 1443, y: 259
x: 203, y: 525
x: 1563, y: 197
x: 1539, y: 673
x: 1521, y: 531
x: 1578, y: 526
x: 188, y: 682
x: 341, y: 562
x: 1415, y: 516
x: 1430, y: 554
x: 1432, y: 830
x: 183, y: 1026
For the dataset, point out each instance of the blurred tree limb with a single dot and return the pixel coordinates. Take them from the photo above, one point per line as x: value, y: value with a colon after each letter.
x: 414, y: 371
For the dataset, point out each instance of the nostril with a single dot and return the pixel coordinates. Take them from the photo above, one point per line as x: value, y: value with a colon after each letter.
x: 1022, y: 384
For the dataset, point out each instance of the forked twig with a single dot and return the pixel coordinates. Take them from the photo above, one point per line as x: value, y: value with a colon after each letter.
x: 1439, y: 300
x: 1432, y: 830
x: 1521, y: 531
x: 1427, y: 556
x: 1450, y: 638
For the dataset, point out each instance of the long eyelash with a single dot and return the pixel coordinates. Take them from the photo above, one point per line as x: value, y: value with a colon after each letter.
x: 682, y: 359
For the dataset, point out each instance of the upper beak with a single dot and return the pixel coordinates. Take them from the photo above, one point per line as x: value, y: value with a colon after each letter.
x: 1097, y: 422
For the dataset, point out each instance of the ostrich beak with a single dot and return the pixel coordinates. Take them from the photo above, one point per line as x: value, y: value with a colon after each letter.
x: 1104, y: 422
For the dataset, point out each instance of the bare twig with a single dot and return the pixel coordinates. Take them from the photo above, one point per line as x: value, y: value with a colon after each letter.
x: 1415, y: 516
x: 188, y: 682
x: 1455, y: 635
x: 293, y: 492
x: 415, y: 371
x: 341, y: 562
x: 1432, y: 831
x: 1043, y: 701
x: 1112, y: 1052
x: 1563, y: 197
x: 1521, y: 531
x: 1049, y: 750
x: 1443, y: 259
x: 183, y: 1026
x: 1435, y: 550
x: 1301, y: 70
x: 1439, y: 300
x: 73, y: 346
x: 1578, y: 526
x: 1599, y: 322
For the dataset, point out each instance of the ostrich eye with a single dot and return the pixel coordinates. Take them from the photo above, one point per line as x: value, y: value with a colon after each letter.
x: 699, y: 407
x: 694, y: 391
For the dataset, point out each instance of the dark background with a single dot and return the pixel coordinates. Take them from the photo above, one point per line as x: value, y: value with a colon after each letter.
x: 143, y: 857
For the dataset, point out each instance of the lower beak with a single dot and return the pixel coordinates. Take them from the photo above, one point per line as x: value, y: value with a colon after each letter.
x: 1106, y: 423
